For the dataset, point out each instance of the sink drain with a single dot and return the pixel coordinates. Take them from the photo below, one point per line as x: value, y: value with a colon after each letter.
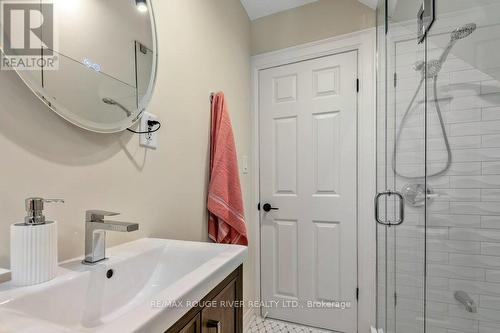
x: 109, y: 274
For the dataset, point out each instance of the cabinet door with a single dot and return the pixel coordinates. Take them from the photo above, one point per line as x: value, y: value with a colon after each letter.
x: 221, y: 318
x: 194, y: 326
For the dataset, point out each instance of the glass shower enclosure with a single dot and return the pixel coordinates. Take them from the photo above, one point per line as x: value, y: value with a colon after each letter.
x: 438, y: 166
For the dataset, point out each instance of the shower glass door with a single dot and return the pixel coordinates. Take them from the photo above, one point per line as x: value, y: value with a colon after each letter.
x: 438, y: 145
x: 401, y: 168
x: 463, y: 215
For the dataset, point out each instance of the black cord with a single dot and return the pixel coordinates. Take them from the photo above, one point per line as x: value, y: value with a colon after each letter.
x: 151, y: 123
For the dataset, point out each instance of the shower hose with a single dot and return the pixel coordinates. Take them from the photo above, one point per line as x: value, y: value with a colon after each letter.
x: 443, y: 129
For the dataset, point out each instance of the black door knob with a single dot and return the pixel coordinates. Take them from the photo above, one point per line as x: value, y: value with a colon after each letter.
x: 267, y: 208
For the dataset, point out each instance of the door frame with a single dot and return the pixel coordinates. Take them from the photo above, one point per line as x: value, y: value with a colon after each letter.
x: 364, y: 42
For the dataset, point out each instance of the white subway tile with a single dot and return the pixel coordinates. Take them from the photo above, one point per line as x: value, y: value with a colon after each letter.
x: 459, y: 195
x: 407, y: 145
x: 490, y: 222
x: 492, y: 140
x: 453, y: 246
x: 457, y: 272
x: 490, y: 87
x: 458, y: 89
x: 419, y: 256
x: 437, y: 182
x: 468, y: 76
x: 466, y: 102
x: 454, y: 323
x: 489, y: 302
x: 491, y: 168
x: 491, y: 113
x: 475, y: 128
x: 413, y: 219
x: 446, y: 220
x: 433, y: 132
x: 476, y: 155
x: 476, y: 287
x: 481, y: 235
x: 490, y: 195
x: 475, y: 208
x: 455, y: 65
x: 490, y: 100
x: 464, y: 169
x: 488, y: 327
x: 451, y: 324
x: 463, y: 142
x: 492, y: 276
x: 461, y: 116
x: 403, y: 158
x: 475, y: 181
x: 416, y: 305
x: 419, y: 232
x: 490, y: 249
x: 473, y: 260
x: 482, y: 314
x: 439, y: 207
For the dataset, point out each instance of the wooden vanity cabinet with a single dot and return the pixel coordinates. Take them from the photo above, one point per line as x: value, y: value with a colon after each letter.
x: 194, y: 326
x: 217, y: 312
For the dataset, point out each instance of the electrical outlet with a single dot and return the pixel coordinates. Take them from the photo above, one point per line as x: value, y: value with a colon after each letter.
x: 149, y: 140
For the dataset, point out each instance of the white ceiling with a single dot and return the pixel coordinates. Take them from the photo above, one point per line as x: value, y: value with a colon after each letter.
x: 260, y: 8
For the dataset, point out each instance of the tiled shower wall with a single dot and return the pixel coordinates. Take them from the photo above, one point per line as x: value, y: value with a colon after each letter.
x: 463, y: 220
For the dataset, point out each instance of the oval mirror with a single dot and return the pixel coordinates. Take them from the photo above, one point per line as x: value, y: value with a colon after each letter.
x: 93, y: 62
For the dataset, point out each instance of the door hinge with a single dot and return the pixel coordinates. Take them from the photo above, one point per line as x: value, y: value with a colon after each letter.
x: 395, y: 299
x: 395, y: 80
x: 357, y: 85
x: 357, y: 294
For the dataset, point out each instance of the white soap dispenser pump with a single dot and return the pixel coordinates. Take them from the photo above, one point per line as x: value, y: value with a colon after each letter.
x: 33, y: 246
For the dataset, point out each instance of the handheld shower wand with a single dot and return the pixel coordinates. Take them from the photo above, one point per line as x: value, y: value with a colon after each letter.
x: 456, y: 35
x: 432, y: 70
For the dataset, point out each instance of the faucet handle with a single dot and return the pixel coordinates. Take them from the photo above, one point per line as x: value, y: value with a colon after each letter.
x: 96, y: 215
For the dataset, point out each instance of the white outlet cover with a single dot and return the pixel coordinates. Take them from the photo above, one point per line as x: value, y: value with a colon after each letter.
x: 148, y: 140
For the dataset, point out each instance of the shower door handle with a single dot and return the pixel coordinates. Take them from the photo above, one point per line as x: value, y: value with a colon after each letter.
x: 401, y: 206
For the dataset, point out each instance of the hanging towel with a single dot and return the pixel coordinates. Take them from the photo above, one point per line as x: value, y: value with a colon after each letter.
x: 225, y: 204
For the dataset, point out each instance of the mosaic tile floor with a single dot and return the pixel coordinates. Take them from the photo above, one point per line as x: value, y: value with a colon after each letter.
x: 259, y: 325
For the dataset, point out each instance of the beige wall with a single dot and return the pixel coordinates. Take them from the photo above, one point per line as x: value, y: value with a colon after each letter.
x: 204, y: 46
x: 315, y: 21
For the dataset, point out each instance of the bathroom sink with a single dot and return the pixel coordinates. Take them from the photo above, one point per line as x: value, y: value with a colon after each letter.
x: 144, y: 286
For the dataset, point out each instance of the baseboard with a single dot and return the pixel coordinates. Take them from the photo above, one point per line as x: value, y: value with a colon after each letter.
x: 248, y: 315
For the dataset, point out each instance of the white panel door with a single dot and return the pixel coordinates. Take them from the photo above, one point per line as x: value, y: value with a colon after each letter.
x: 308, y: 113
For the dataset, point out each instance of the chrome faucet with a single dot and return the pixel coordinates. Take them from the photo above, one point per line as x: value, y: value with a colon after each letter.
x: 95, y: 233
x: 466, y: 301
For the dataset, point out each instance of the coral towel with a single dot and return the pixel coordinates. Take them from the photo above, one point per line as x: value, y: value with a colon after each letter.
x: 225, y: 204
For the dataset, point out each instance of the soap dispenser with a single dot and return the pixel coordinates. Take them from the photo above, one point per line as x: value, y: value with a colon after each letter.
x: 33, y: 246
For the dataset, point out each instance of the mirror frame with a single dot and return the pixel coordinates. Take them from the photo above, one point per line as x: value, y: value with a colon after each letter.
x: 116, y: 127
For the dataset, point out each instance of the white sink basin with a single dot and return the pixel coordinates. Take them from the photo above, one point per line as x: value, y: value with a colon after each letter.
x: 153, y: 282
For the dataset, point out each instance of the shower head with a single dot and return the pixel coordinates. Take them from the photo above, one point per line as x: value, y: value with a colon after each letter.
x: 434, y: 66
x: 463, y: 31
x: 109, y: 101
